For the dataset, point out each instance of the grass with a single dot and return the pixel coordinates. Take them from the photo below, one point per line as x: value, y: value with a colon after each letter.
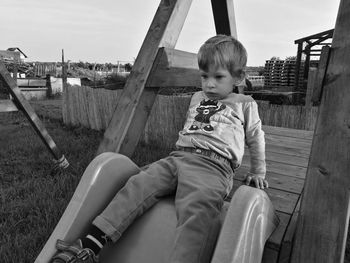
x: 33, y: 196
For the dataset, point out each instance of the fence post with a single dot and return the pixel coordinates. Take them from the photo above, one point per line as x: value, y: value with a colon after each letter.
x: 64, y: 89
x: 309, y: 93
x: 48, y: 86
x: 310, y: 86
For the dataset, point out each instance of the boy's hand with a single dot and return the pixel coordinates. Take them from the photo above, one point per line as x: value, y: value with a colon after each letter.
x: 257, y: 181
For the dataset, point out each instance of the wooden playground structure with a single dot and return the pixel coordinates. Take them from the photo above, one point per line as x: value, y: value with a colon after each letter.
x: 308, y: 171
x: 17, y: 102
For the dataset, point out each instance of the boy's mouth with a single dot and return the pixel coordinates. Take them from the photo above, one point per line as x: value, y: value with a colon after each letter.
x: 212, y: 95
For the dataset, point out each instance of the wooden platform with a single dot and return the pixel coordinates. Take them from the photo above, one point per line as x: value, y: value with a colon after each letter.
x: 287, y: 155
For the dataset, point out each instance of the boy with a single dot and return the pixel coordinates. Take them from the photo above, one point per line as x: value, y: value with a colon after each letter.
x: 210, y: 147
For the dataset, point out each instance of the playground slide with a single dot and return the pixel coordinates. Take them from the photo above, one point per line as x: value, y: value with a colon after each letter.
x: 102, y: 179
x: 248, y: 220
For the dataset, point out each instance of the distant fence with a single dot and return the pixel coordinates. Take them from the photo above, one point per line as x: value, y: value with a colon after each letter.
x: 93, y: 108
x: 43, y: 68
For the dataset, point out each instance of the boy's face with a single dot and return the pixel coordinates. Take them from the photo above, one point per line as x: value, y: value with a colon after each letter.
x: 217, y: 83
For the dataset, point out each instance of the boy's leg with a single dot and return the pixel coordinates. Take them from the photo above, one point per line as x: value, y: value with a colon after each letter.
x: 202, y: 187
x: 140, y: 193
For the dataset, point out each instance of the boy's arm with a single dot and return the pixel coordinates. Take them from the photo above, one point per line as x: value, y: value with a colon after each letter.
x: 255, y: 140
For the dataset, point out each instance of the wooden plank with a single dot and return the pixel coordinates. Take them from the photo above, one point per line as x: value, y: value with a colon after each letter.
x: 282, y: 158
x: 288, y: 150
x: 276, y: 181
x: 324, y: 213
x: 224, y: 17
x: 286, y: 169
x: 306, y: 136
x: 174, y: 68
x: 7, y: 106
x: 288, y: 142
x: 281, y: 168
x: 144, y: 109
x: 164, y: 32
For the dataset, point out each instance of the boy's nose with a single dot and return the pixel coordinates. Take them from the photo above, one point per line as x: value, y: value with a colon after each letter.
x: 210, y: 84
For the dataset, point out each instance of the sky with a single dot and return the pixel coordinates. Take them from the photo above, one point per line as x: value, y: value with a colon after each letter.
x: 109, y: 31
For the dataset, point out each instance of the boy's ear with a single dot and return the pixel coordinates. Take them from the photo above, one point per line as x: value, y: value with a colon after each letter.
x: 240, y: 78
x: 243, y: 75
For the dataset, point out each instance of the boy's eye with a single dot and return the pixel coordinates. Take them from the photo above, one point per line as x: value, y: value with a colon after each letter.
x: 203, y: 76
x: 219, y: 76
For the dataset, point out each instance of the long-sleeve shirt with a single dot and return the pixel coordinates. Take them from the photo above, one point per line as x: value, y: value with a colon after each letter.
x: 225, y: 126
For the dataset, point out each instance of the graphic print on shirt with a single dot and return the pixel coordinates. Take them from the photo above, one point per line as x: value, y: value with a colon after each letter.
x: 206, y: 109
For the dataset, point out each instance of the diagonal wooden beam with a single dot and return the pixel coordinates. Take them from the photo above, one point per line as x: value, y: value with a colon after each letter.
x: 22, y: 104
x: 224, y: 17
x: 324, y: 214
x: 131, y: 113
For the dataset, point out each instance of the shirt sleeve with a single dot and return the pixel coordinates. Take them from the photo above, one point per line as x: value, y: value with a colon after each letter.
x: 255, y: 139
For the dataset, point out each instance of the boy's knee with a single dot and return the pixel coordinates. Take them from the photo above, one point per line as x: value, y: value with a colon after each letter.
x: 135, y: 179
x: 206, y: 198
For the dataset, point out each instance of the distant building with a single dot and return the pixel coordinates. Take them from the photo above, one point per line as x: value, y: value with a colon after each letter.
x: 12, y: 54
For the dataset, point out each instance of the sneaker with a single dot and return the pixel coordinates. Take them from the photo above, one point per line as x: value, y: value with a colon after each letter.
x: 73, y: 253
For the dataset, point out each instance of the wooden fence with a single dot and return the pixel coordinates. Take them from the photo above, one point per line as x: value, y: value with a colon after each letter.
x: 41, y: 69
x: 88, y: 107
x: 93, y: 108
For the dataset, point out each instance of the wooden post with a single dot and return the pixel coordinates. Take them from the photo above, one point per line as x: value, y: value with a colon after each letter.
x: 310, y: 87
x: 48, y: 86
x: 64, y: 73
x: 321, y: 72
x: 15, y: 71
x: 297, y: 67
x: 324, y: 214
x: 224, y: 17
x: 64, y: 89
x: 306, y: 68
x: 309, y: 91
x: 135, y: 104
x: 94, y: 70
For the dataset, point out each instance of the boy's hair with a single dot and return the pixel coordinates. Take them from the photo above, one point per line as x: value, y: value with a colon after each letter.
x: 223, y: 51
